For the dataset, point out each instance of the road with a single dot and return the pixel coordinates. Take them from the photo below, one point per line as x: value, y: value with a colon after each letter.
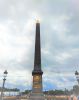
x: 46, y: 98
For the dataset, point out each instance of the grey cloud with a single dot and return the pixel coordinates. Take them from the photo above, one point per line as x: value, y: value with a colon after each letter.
x: 54, y: 42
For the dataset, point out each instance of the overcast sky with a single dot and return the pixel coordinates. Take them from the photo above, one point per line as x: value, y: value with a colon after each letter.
x: 59, y: 20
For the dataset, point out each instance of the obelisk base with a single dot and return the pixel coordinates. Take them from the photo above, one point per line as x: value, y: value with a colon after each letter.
x: 36, y: 96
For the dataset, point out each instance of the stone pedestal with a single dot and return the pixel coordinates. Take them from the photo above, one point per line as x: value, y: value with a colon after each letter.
x: 36, y: 96
x: 37, y: 93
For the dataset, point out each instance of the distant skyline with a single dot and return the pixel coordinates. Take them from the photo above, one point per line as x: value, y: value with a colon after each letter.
x: 59, y: 22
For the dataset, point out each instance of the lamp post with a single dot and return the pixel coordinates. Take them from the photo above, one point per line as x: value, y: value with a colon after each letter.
x: 77, y: 76
x: 4, y: 79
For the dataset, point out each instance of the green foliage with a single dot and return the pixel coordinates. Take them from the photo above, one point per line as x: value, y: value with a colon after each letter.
x: 52, y: 92
x: 26, y: 92
x: 57, y: 92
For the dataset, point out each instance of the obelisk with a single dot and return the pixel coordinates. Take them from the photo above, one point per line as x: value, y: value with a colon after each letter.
x: 37, y: 93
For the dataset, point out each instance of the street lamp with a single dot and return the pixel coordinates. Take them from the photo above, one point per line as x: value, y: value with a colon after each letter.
x: 77, y: 76
x: 4, y: 79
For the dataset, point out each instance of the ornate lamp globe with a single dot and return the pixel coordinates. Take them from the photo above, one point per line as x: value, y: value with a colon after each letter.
x: 5, y: 73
